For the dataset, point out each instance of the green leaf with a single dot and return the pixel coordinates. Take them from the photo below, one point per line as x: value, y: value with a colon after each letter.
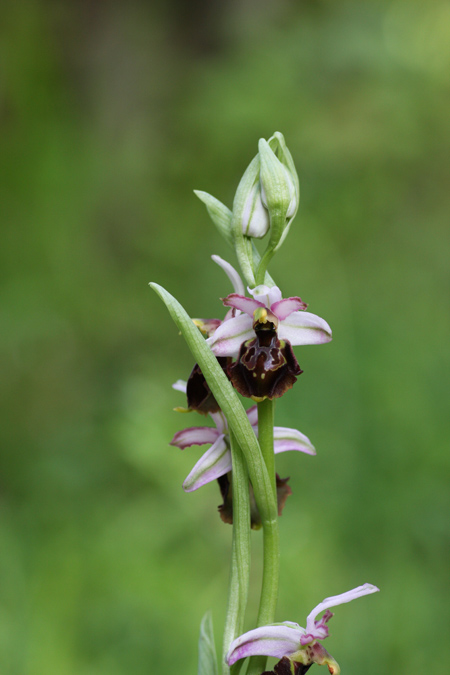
x: 229, y: 402
x: 219, y: 214
x: 207, y: 660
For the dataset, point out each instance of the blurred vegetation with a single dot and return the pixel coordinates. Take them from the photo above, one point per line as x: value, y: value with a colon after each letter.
x: 111, y: 114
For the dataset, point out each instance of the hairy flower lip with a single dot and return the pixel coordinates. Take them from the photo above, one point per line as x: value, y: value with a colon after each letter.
x: 285, y: 639
x: 265, y: 367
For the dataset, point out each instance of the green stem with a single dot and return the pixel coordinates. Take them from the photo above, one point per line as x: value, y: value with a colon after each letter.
x: 271, y: 554
x: 263, y: 264
x: 266, y: 410
x: 238, y: 422
x: 240, y: 555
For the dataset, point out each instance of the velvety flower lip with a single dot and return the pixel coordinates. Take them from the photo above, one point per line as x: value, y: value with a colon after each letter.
x: 216, y: 461
x: 286, y: 639
x: 295, y: 324
x: 265, y: 366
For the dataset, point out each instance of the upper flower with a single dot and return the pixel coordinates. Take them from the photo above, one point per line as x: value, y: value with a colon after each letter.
x: 216, y: 461
x: 291, y: 640
x: 287, y: 315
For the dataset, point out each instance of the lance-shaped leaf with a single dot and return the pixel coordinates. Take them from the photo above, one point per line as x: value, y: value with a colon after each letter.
x: 230, y: 404
x: 207, y: 660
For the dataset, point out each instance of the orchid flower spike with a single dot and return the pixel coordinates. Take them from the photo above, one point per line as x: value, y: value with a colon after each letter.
x: 216, y: 461
x: 287, y: 315
x: 290, y: 640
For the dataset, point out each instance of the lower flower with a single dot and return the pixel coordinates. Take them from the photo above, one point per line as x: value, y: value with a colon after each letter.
x: 216, y: 461
x: 199, y: 395
x: 297, y: 647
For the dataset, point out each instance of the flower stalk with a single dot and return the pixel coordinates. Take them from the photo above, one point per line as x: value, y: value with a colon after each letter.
x: 250, y: 353
x: 266, y: 414
x: 240, y: 553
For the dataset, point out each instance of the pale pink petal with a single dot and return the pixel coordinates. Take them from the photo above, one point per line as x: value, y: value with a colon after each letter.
x: 194, y: 436
x: 214, y: 463
x: 335, y: 600
x: 276, y: 640
x: 320, y: 627
x: 247, y: 305
x: 266, y: 294
x: 231, y: 314
x: 231, y: 274
x: 320, y: 630
x: 303, y: 328
x: 283, y: 308
x: 228, y: 338
x: 286, y: 439
x: 274, y: 295
x: 252, y: 414
x: 180, y: 385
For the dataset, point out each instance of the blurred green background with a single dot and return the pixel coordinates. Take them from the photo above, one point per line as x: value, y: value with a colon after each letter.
x: 111, y: 114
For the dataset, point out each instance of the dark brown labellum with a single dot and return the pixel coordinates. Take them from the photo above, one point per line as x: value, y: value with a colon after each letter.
x: 199, y: 396
x: 266, y: 367
x: 287, y: 667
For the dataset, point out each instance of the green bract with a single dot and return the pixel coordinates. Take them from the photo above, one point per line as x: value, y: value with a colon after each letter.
x: 220, y: 215
x: 207, y: 659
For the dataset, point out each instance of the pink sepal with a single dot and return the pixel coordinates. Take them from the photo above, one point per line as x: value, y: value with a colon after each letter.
x: 194, y: 436
x: 247, y: 305
x: 284, y: 307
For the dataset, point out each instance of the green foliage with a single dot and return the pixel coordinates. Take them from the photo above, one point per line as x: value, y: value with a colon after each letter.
x: 207, y: 659
x: 109, y: 120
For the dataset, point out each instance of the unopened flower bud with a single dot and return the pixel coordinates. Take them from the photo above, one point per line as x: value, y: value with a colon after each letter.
x: 293, y: 204
x: 255, y: 217
x: 279, y: 187
x: 265, y: 202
